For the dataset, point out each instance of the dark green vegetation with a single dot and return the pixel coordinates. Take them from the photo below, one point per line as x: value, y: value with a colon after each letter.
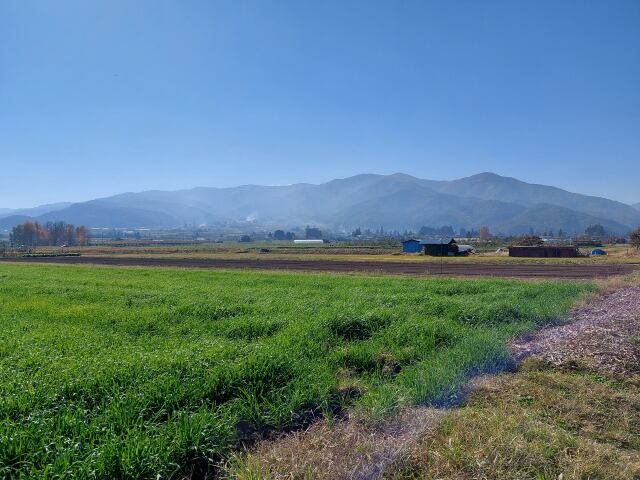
x: 541, y: 423
x: 134, y: 373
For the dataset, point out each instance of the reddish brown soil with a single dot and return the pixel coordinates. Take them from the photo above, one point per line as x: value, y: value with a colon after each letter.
x: 571, y: 271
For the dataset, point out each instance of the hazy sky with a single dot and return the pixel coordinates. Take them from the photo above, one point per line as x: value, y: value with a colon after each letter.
x: 101, y: 97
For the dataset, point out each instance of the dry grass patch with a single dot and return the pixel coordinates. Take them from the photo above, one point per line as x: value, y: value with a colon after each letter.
x: 347, y: 448
x: 538, y: 424
x: 603, y: 334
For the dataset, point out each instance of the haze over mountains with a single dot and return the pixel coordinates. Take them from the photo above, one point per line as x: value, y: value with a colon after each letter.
x: 35, y: 211
x: 399, y: 201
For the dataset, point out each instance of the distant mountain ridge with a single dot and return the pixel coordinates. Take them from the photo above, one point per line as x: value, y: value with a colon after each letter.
x: 397, y: 201
x: 35, y: 211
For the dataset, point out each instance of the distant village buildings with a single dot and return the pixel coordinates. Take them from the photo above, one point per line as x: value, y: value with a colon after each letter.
x: 439, y: 247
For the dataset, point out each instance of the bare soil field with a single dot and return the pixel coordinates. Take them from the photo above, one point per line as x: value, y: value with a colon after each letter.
x: 570, y: 271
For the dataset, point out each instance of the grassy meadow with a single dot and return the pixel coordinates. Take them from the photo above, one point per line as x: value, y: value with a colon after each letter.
x: 147, y: 373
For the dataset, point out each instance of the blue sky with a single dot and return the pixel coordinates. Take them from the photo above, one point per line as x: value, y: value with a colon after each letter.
x: 101, y: 97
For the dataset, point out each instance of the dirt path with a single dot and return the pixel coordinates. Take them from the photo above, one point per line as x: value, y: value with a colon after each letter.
x: 569, y: 271
x: 605, y: 335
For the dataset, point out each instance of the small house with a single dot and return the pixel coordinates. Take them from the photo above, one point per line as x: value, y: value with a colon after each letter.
x: 440, y: 247
x: 411, y: 246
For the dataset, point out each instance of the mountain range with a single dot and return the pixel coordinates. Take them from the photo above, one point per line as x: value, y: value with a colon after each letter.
x: 399, y: 201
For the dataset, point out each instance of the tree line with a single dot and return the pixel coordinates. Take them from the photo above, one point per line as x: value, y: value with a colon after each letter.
x: 32, y: 234
x: 635, y: 238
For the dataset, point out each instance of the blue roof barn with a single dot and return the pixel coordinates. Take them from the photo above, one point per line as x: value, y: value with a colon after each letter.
x: 434, y: 247
x: 411, y: 246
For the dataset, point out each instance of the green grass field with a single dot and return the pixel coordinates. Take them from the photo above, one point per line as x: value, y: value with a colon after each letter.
x: 139, y: 373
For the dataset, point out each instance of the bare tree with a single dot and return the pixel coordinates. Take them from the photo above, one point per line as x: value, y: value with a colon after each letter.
x: 635, y: 238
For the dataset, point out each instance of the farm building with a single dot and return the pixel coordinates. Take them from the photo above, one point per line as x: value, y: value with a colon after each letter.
x: 440, y: 247
x: 411, y: 246
x: 543, y: 252
x: 435, y: 247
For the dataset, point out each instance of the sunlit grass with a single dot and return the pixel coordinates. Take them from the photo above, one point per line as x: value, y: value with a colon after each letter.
x: 540, y: 423
x: 134, y: 373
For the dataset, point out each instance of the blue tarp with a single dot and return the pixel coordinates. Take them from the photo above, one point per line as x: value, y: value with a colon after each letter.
x: 597, y: 251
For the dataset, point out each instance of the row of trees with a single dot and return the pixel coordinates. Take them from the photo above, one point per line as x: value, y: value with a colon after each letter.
x: 534, y: 240
x: 448, y: 231
x: 281, y: 235
x: 595, y: 231
x: 445, y: 231
x: 32, y: 234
